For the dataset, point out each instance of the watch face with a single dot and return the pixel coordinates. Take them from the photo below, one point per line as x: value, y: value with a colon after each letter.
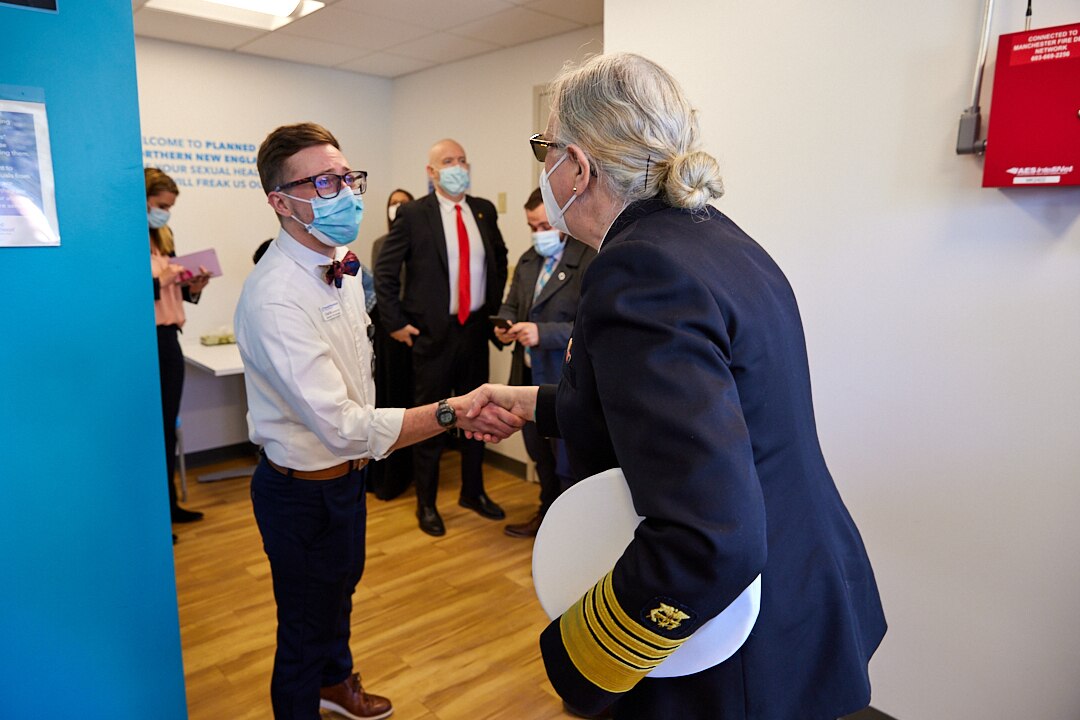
x: 445, y: 415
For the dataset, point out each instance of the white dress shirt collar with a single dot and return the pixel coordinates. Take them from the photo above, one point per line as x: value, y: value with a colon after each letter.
x: 304, y: 256
x: 447, y: 205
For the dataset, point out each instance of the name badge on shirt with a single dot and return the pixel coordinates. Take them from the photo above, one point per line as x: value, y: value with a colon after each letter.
x: 331, y: 311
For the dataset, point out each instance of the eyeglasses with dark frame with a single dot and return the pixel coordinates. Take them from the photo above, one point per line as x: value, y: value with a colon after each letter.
x: 328, y: 185
x: 540, y: 146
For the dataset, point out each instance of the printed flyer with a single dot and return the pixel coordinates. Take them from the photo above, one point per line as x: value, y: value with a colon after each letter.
x: 27, y: 189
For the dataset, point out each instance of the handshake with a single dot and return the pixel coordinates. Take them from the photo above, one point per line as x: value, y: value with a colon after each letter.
x: 495, y: 412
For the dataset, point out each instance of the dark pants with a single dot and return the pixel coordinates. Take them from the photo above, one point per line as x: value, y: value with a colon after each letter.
x: 313, y: 534
x: 391, y: 476
x: 455, y: 368
x: 171, y: 367
x: 543, y: 450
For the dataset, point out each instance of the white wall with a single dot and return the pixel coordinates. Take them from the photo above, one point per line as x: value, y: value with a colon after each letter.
x: 192, y: 92
x: 941, y: 320
x: 486, y: 104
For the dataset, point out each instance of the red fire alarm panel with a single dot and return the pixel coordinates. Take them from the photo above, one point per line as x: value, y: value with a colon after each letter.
x: 1034, y: 133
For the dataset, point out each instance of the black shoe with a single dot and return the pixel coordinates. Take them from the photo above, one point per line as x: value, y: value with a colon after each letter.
x: 483, y: 505
x: 180, y: 515
x: 606, y: 713
x: 430, y: 522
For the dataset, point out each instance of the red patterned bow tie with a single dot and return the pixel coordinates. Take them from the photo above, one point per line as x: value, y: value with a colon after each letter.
x: 349, y: 265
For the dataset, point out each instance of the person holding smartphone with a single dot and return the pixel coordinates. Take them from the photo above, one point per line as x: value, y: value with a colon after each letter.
x: 538, y: 315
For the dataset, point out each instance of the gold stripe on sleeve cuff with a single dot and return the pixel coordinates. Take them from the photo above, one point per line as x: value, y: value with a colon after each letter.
x: 609, y: 649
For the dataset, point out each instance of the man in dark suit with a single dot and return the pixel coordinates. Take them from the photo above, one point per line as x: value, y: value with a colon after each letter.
x: 541, y: 305
x: 455, y: 268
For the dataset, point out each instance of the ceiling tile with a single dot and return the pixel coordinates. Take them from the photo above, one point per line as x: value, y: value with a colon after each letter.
x: 181, y: 28
x: 586, y: 12
x: 443, y: 48
x: 383, y: 37
x: 515, y: 26
x: 301, y: 50
x: 386, y: 65
x: 366, y: 33
x: 432, y: 14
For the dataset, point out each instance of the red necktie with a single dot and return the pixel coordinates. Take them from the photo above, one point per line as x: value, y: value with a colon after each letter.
x: 464, y: 299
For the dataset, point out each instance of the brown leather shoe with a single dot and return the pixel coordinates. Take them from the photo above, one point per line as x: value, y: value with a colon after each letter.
x: 349, y: 700
x: 525, y: 529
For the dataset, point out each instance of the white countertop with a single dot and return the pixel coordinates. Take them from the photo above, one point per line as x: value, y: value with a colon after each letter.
x: 220, y: 360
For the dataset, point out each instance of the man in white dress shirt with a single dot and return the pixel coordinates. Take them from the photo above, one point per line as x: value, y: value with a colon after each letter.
x: 302, y: 329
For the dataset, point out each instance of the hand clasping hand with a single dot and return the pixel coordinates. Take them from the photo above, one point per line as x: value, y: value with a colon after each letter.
x: 515, y: 402
x: 483, y: 420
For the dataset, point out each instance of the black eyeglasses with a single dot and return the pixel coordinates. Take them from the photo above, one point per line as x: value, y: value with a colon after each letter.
x: 540, y: 146
x: 328, y: 185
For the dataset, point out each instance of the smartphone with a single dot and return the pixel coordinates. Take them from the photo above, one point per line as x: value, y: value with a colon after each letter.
x: 500, y: 322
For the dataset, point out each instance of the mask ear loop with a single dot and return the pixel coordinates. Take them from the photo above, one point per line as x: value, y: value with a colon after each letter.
x: 648, y: 162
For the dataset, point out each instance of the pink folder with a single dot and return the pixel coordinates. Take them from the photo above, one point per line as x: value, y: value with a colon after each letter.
x: 205, y: 258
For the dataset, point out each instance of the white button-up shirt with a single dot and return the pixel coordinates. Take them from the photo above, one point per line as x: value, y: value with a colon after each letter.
x: 477, y: 253
x: 308, y: 363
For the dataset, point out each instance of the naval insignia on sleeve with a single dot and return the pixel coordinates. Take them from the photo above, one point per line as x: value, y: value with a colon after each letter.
x: 668, y: 617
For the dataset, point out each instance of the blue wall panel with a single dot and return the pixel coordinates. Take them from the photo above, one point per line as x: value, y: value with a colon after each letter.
x: 88, y: 615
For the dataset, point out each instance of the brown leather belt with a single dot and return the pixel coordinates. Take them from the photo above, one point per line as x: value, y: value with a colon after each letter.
x: 325, y: 474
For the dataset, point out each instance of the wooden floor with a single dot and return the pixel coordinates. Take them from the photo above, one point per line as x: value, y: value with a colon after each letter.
x: 445, y: 627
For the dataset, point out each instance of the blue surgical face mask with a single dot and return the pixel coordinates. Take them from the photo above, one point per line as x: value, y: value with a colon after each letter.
x: 547, y: 242
x: 157, y: 217
x: 454, y: 179
x: 337, y: 220
x: 554, y: 212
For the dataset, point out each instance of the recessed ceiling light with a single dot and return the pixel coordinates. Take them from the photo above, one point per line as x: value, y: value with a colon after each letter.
x: 261, y: 14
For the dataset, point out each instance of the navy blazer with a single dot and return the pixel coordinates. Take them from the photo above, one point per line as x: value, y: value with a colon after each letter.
x: 688, y: 370
x: 553, y: 311
x: 417, y: 242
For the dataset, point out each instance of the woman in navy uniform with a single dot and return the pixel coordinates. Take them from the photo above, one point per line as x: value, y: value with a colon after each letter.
x: 687, y: 368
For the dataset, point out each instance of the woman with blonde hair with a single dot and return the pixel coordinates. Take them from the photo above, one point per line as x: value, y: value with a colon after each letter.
x: 173, y: 284
x: 687, y: 368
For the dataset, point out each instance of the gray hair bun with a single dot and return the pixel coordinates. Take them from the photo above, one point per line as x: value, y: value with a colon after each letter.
x: 693, y: 179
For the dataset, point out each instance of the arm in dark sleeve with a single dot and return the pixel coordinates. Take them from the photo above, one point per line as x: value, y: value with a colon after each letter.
x: 394, y: 253
x: 658, y: 343
x: 546, y: 421
x: 511, y: 308
x: 498, y: 249
x: 497, y: 261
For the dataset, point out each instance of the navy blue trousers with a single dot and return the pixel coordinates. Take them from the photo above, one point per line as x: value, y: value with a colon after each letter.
x: 313, y: 534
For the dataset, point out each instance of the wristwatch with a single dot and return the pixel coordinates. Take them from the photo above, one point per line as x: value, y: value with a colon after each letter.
x: 445, y: 415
